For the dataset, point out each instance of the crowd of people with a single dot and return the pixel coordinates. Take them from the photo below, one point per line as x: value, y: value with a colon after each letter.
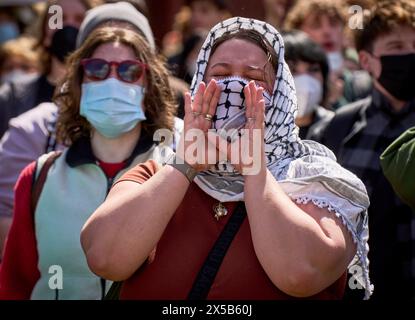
x: 88, y: 183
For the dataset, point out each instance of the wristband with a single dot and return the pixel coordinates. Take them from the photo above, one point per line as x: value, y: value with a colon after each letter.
x: 179, y: 164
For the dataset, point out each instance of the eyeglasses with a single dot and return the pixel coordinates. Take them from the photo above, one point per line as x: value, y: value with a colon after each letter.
x: 127, y: 70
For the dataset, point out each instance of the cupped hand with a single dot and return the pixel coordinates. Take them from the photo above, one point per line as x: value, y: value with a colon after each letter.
x: 247, y: 153
x: 194, y: 147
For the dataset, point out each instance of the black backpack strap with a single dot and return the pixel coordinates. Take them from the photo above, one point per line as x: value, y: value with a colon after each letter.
x: 114, y: 291
x: 39, y: 181
x: 210, y: 268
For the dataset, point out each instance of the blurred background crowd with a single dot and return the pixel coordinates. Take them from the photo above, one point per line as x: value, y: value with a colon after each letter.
x: 334, y: 72
x: 180, y: 28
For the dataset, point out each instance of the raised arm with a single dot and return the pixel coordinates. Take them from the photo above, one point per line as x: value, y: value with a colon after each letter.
x: 302, y: 248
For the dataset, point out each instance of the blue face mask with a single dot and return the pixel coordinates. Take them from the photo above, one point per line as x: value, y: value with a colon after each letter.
x: 111, y: 106
x: 8, y: 31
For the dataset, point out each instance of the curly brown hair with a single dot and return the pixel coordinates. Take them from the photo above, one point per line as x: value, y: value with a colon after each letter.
x: 334, y: 9
x: 158, y: 100
x: 382, y: 19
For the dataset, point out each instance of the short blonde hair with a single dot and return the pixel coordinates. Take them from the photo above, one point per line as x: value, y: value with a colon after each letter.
x: 22, y: 47
x: 335, y: 9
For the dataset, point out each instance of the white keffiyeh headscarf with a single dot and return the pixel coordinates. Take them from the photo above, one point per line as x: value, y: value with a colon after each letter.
x: 306, y: 170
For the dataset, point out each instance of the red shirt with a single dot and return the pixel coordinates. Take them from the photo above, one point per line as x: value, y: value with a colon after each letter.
x: 18, y: 271
x: 184, y: 246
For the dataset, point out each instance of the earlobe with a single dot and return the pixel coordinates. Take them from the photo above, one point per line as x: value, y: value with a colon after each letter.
x: 364, y: 60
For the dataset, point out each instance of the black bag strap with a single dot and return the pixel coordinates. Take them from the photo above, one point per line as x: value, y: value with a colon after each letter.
x: 114, y: 291
x: 39, y: 181
x: 207, y: 273
x: 210, y: 268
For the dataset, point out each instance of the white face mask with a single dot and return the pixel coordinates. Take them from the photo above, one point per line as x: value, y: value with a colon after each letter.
x: 335, y: 60
x: 309, y: 94
x: 16, y: 76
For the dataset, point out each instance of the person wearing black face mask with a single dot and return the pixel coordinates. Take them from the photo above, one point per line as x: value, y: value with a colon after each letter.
x: 398, y: 75
x: 63, y: 42
x: 360, y: 132
x: 54, y: 44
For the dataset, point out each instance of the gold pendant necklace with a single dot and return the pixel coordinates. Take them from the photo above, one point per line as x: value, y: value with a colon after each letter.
x: 220, y: 210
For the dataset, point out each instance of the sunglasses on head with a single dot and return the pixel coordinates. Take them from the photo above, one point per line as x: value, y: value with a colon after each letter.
x: 127, y: 70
